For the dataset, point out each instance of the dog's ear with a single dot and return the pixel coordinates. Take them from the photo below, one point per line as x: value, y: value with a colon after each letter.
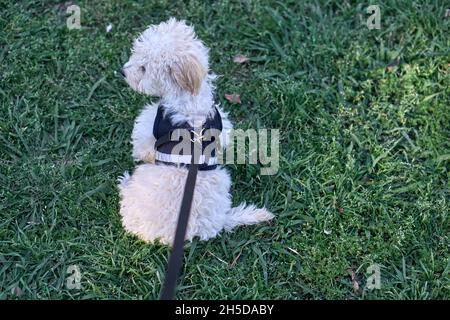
x: 188, y: 73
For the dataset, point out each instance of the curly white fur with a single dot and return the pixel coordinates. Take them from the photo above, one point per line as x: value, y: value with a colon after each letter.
x: 169, y: 61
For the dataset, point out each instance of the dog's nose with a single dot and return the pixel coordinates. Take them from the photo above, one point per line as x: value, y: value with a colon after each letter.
x: 122, y: 73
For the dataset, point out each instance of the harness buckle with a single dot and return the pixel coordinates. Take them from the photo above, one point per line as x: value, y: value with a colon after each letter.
x: 198, y: 137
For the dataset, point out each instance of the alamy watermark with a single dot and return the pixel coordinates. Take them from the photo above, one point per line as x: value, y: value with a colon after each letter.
x: 73, y: 280
x: 74, y: 19
x: 374, y: 20
x: 241, y: 147
x: 374, y: 280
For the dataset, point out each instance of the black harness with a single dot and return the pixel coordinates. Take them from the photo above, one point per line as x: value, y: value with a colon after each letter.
x: 199, y: 140
x: 169, y: 136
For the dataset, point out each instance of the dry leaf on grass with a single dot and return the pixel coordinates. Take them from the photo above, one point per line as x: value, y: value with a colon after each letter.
x: 233, y: 98
x: 240, y: 58
x: 392, y: 65
x: 355, y: 283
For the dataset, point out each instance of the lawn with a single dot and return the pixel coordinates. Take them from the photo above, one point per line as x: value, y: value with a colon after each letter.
x: 364, y: 116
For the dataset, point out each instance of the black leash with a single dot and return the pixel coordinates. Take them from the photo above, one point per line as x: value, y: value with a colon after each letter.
x: 176, y: 256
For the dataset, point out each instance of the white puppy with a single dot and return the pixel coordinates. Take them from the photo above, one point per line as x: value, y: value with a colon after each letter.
x: 168, y: 61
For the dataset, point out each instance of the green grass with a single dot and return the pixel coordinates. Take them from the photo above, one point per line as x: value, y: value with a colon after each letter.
x: 364, y: 165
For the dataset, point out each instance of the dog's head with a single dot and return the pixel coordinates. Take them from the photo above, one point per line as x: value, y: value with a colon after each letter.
x: 167, y: 59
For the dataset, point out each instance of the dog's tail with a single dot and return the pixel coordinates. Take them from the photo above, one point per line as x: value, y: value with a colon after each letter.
x: 243, y: 214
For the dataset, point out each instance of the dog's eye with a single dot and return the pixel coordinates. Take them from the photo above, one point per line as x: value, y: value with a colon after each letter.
x: 142, y: 68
